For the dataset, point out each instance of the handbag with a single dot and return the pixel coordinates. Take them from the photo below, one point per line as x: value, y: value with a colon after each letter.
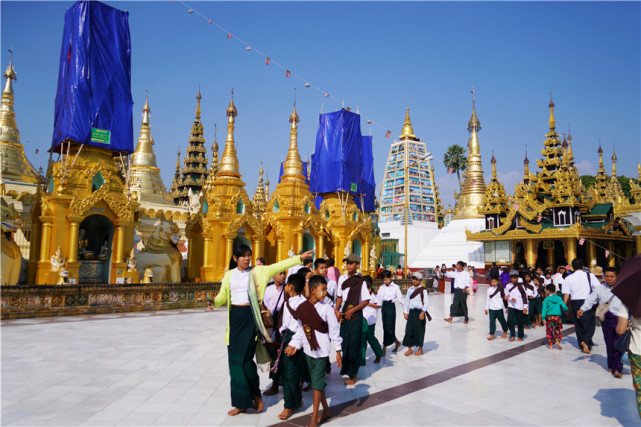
x: 268, y: 319
x: 602, y: 309
x: 623, y: 343
x: 262, y: 354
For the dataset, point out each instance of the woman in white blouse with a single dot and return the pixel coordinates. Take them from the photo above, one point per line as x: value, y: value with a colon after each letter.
x: 241, y: 289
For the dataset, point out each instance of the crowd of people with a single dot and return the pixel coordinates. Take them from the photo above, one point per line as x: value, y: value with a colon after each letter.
x: 297, y: 310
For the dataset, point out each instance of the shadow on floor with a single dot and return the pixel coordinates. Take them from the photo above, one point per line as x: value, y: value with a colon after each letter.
x: 620, y: 404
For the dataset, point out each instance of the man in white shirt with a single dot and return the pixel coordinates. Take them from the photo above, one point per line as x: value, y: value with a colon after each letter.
x: 578, y: 286
x: 461, y: 283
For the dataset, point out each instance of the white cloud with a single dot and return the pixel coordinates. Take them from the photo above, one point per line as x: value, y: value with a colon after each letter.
x: 586, y: 168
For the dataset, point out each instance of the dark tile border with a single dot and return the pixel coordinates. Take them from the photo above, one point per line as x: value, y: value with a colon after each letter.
x: 365, y: 402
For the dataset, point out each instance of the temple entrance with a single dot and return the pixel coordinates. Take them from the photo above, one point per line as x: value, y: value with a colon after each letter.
x: 519, y: 254
x: 309, y: 243
x: 95, y: 242
x: 550, y: 253
x: 356, y: 247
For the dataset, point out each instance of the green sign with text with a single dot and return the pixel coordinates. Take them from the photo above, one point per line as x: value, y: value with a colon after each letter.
x: 100, y: 136
x: 353, y: 187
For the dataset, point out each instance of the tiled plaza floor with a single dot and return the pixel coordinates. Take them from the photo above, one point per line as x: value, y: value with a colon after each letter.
x: 170, y: 368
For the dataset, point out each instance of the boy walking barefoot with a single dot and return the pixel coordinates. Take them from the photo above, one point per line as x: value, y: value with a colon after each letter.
x: 517, y: 305
x: 415, y: 312
x: 494, y: 305
x: 552, y: 306
x: 318, y: 326
x: 389, y: 293
x: 370, y: 312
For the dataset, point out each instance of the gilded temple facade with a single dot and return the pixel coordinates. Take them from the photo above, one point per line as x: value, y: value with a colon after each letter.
x: 551, y: 219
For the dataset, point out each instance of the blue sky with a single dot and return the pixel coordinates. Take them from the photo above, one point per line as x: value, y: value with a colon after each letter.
x: 377, y: 56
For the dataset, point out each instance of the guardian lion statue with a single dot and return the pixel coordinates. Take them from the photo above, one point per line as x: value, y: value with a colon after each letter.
x: 160, y: 253
x: 11, y: 256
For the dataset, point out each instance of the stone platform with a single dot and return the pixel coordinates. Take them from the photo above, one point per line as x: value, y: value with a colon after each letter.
x: 170, y: 368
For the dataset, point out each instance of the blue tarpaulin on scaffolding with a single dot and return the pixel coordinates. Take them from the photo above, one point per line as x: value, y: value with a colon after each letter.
x: 367, y: 182
x: 337, y: 159
x: 280, y: 174
x: 93, y: 102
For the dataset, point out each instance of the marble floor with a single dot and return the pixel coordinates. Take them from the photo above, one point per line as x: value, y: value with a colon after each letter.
x: 170, y: 368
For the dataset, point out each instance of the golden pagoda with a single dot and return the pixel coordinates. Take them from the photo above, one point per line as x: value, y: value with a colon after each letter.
x: 291, y: 218
x: 551, y: 219
x: 471, y: 197
x: 259, y: 200
x: 193, y: 175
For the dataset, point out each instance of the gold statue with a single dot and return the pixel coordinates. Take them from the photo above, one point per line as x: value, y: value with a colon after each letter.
x: 83, y: 243
x: 11, y: 256
x: 149, y: 274
x: 57, y: 261
x: 372, y: 255
x: 104, y: 250
x: 291, y: 252
x: 131, y: 261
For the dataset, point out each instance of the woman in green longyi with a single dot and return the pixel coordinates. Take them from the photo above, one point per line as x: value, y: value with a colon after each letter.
x: 238, y: 291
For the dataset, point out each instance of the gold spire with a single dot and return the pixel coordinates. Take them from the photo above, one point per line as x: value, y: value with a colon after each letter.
x: 267, y: 187
x: 570, y: 152
x: 614, y: 162
x: 493, y: 166
x: 526, y: 168
x: 178, y: 162
x: 198, y: 97
x: 15, y: 166
x: 408, y: 131
x: 214, y: 152
x: 259, y: 196
x: 229, y: 161
x: 471, y: 197
x: 600, y: 151
x: 639, y: 170
x: 293, y: 167
x: 145, y: 177
x: 552, y: 121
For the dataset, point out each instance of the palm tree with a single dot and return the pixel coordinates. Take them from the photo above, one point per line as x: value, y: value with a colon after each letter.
x: 455, y: 160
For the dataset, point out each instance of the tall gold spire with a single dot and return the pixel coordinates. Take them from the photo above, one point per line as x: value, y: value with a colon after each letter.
x: 198, y: 98
x: 267, y: 193
x: 229, y: 161
x: 293, y: 167
x: 15, y: 166
x: 600, y: 151
x: 614, y: 162
x: 214, y: 152
x: 471, y: 197
x: 145, y: 176
x: 178, y: 162
x: 259, y: 195
x: 526, y: 168
x: 552, y: 121
x: 493, y: 166
x: 408, y: 131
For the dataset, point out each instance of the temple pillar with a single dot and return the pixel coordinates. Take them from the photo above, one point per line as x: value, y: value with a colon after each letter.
x: 570, y: 248
x: 637, y: 241
x: 629, y: 251
x: 550, y: 256
x: 320, y: 246
x: 590, y: 253
x: 229, y: 247
x: 120, y: 244
x: 207, y: 243
x: 611, y: 259
x: 74, y: 227
x: 279, y: 249
x: 43, y: 272
x: 530, y: 252
x: 299, y: 242
x: 258, y: 249
x: 365, y: 265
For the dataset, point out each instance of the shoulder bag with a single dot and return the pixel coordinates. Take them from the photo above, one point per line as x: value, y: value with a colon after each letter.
x: 602, y: 309
x: 623, y: 343
x: 268, y: 318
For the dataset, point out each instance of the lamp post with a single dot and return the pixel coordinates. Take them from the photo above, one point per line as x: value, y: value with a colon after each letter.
x: 428, y: 157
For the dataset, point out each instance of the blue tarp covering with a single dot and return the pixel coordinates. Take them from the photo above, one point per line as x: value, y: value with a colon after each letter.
x: 336, y: 163
x: 94, y: 80
x: 368, y: 182
x: 280, y: 174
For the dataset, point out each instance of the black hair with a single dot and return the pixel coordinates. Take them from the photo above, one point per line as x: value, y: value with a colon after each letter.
x: 550, y: 288
x: 368, y: 280
x: 610, y: 269
x: 304, y: 271
x: 386, y: 274
x: 319, y: 262
x: 316, y: 280
x: 495, y: 278
x: 493, y: 264
x: 240, y: 250
x: 577, y: 264
x: 330, y: 262
x: 262, y: 260
x: 298, y: 280
x: 306, y: 261
x: 526, y: 273
x: 461, y: 263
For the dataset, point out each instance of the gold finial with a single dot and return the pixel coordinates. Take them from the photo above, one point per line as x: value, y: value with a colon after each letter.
x: 474, y: 124
x: 639, y: 170
x: 229, y: 160
x: 259, y: 195
x: 564, y: 144
x: 10, y: 74
x: 552, y: 121
x: 145, y: 109
x: 570, y: 152
x: 198, y: 98
x: 293, y: 167
x: 267, y: 186
x: 600, y: 151
x: 408, y: 131
x: 178, y: 163
x: 493, y: 160
x: 614, y: 161
x: 144, y: 153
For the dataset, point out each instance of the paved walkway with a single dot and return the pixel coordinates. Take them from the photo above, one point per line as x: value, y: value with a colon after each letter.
x: 170, y: 368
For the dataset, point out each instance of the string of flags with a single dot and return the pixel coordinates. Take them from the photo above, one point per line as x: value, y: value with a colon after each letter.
x: 450, y: 171
x: 270, y: 60
x: 581, y: 241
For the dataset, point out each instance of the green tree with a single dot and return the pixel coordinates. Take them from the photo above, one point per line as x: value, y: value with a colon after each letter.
x: 588, y: 181
x: 456, y: 160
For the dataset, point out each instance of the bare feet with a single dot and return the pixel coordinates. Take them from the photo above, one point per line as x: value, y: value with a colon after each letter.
x: 617, y: 374
x: 550, y: 346
x: 519, y: 339
x: 408, y: 352
x: 585, y: 348
x: 419, y: 352
x: 285, y: 414
x: 466, y: 322
x: 258, y: 404
x: 271, y: 390
x: 384, y: 351
x: 236, y: 411
x: 504, y: 335
x: 398, y: 344
x: 490, y: 338
x: 377, y: 360
x: 558, y: 345
x: 325, y: 415
x: 533, y: 325
x: 448, y: 319
x: 350, y: 381
x: 511, y: 339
